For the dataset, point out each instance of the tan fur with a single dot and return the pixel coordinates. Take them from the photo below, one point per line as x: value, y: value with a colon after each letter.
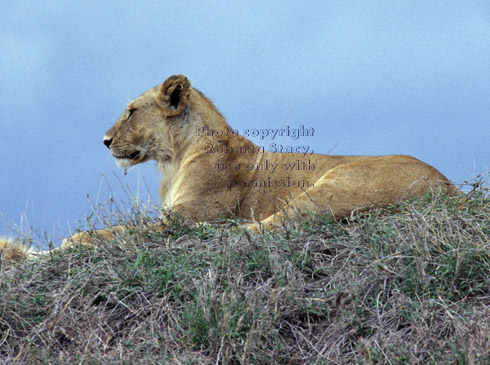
x: 11, y: 251
x: 162, y: 125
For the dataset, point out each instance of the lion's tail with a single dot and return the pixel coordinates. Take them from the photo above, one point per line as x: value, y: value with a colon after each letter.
x: 12, y: 251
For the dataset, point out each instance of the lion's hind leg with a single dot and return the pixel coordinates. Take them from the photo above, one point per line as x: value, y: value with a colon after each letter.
x: 320, y: 197
x: 357, y: 187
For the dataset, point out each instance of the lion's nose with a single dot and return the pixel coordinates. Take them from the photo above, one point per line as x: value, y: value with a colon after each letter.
x: 107, y: 141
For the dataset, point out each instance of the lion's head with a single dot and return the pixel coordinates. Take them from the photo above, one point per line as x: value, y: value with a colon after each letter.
x: 159, y: 124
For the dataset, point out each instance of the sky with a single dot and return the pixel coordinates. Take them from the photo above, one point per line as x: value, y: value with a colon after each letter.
x: 371, y: 77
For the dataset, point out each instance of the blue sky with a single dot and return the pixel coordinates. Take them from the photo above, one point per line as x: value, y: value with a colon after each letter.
x: 372, y: 78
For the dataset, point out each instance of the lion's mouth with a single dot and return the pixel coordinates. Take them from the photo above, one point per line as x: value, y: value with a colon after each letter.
x: 131, y: 156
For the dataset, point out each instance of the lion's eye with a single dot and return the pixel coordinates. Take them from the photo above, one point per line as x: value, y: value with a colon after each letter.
x: 130, y: 113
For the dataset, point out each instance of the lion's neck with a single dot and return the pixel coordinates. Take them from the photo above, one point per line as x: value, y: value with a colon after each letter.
x: 168, y: 172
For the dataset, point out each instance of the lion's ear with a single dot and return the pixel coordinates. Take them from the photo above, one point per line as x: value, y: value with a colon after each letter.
x: 175, y: 91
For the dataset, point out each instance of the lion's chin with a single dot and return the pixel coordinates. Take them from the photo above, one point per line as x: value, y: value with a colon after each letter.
x: 124, y: 162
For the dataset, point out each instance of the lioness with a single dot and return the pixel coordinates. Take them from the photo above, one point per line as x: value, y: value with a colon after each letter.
x: 210, y: 172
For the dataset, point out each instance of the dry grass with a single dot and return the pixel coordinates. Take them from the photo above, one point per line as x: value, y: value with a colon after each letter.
x: 409, y: 287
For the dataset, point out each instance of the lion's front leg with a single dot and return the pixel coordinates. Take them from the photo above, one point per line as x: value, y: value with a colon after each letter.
x: 107, y: 234
x: 91, y: 237
x: 295, y: 208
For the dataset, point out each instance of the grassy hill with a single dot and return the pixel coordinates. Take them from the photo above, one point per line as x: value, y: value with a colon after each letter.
x: 407, y: 286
